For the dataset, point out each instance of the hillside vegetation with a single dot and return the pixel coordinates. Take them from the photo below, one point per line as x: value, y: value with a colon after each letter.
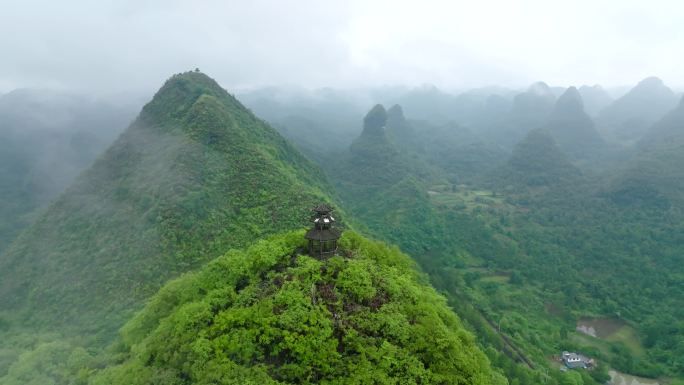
x: 194, y: 175
x: 526, y: 251
x: 270, y: 315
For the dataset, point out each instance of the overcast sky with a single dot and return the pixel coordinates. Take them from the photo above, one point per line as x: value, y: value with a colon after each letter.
x: 114, y: 46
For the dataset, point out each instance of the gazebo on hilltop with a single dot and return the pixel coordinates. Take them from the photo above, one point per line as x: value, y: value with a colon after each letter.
x: 323, y: 237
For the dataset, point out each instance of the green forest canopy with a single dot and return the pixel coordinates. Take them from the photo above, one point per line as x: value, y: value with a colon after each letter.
x: 270, y: 314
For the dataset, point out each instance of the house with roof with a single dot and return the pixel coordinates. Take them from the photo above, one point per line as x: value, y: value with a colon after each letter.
x: 576, y: 360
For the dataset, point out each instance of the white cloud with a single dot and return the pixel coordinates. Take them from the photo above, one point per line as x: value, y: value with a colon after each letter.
x: 118, y: 45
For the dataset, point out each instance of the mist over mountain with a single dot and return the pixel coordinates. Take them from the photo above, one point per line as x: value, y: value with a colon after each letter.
x: 537, y: 161
x: 193, y: 176
x: 428, y: 102
x: 530, y: 110
x: 628, y: 118
x: 655, y: 176
x: 327, y: 118
x: 373, y: 159
x: 511, y: 224
x: 469, y: 107
x: 537, y: 100
x: 595, y: 98
x: 173, y: 191
x: 363, y: 192
x: 46, y: 139
x: 668, y: 130
x: 401, y: 132
x: 572, y: 128
x: 323, y: 119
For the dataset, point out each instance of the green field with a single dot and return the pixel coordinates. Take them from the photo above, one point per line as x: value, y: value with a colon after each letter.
x: 461, y: 196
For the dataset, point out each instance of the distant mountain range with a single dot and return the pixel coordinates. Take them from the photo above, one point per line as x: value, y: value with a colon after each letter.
x: 628, y: 118
x: 655, y: 175
x: 175, y: 255
x: 46, y: 139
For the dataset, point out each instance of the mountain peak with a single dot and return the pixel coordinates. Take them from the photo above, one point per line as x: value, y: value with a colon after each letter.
x: 629, y: 118
x: 375, y: 121
x: 651, y: 82
x: 395, y: 113
x: 595, y: 87
x: 570, y: 102
x: 595, y: 98
x: 651, y: 87
x: 537, y: 100
x: 182, y: 90
x: 192, y: 81
x: 396, y: 119
x: 539, y: 88
x: 571, y: 127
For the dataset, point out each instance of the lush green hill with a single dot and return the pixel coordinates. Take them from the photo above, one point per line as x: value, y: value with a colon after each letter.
x: 196, y: 173
x: 375, y: 175
x: 373, y: 159
x: 271, y: 315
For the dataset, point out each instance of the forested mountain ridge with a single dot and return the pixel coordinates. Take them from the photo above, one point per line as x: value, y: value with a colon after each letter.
x: 374, y: 173
x: 273, y: 315
x: 374, y: 159
x: 526, y: 245
x: 537, y: 246
x: 427, y: 218
x: 195, y: 174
